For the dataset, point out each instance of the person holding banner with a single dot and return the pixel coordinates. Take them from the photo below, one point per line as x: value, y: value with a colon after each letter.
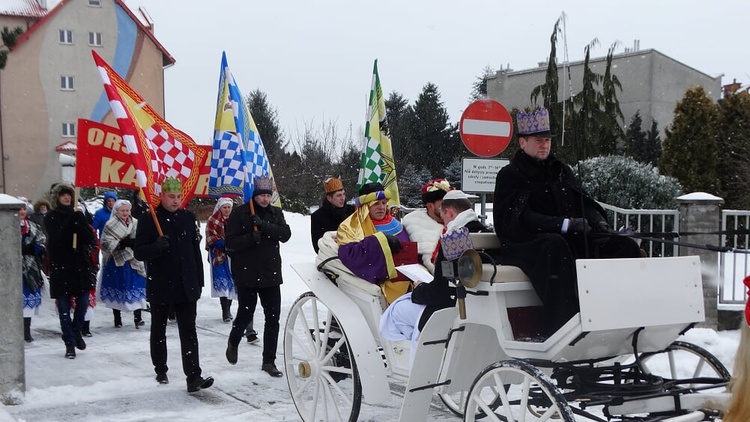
x: 171, y: 252
x: 253, y: 232
x: 70, y: 239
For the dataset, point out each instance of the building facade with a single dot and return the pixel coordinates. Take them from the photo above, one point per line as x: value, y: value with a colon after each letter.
x: 50, y: 81
x: 652, y: 83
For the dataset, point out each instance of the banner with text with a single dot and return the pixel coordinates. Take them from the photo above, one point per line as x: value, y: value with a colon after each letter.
x: 103, y: 161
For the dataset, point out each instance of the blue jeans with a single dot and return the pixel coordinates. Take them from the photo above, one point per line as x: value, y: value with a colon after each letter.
x: 72, y: 328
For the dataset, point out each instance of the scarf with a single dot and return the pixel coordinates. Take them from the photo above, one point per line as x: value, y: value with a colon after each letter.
x: 214, y: 233
x: 462, y: 219
x: 29, y: 264
x: 114, y: 231
x: 359, y: 225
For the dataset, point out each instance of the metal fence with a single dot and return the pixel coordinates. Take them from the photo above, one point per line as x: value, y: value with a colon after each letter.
x: 646, y: 221
x: 734, y: 265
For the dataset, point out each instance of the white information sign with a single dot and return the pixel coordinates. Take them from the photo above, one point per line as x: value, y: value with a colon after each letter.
x: 478, y: 174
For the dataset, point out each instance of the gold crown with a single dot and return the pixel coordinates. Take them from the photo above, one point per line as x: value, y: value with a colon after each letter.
x: 333, y: 184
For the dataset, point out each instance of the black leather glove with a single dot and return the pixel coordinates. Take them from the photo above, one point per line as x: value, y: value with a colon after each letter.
x: 29, y: 249
x: 601, y: 226
x: 579, y: 227
x: 394, y: 243
x: 162, y: 243
x: 126, y: 242
x: 256, y: 236
x: 256, y: 221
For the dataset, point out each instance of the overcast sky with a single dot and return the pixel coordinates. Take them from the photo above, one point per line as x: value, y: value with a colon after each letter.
x: 314, y: 58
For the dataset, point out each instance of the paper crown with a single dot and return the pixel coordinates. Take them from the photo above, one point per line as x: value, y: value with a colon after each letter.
x: 171, y: 185
x: 435, y: 190
x: 263, y: 184
x: 333, y: 184
x: 535, y: 123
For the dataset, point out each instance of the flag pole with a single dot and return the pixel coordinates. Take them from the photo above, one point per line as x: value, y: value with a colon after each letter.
x: 75, y: 206
x: 152, y: 211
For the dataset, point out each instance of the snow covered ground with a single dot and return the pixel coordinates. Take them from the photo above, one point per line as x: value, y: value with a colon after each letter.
x: 113, y: 379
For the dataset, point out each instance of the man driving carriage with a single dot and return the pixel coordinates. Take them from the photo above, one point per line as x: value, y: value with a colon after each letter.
x: 545, y: 221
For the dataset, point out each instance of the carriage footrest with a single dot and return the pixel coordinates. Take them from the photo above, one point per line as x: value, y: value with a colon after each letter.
x: 430, y: 386
x: 447, y: 339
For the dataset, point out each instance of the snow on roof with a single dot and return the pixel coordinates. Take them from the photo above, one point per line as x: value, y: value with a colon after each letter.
x: 8, y: 202
x: 699, y: 196
x: 69, y: 146
x: 26, y: 8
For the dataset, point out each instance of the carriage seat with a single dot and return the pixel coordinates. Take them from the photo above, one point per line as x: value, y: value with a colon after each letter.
x: 486, y: 242
x: 328, y: 248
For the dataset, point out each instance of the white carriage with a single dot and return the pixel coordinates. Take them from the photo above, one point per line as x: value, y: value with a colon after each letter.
x: 617, y: 360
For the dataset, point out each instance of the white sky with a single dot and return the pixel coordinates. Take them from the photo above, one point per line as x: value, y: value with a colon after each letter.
x: 314, y: 59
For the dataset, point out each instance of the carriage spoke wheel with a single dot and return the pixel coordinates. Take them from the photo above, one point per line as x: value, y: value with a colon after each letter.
x: 686, y: 361
x: 456, y: 403
x: 515, y: 391
x: 321, y: 373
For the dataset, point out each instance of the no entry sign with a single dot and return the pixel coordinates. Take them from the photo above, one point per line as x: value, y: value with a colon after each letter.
x: 486, y: 128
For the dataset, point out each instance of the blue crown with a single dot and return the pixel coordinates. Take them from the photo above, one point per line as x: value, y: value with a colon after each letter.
x: 533, y: 123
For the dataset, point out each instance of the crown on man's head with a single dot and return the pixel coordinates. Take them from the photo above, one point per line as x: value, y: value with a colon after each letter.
x: 333, y: 184
x: 262, y: 185
x: 535, y: 123
x: 171, y: 185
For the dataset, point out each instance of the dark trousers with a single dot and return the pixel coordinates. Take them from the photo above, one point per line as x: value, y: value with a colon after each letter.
x: 270, y: 300
x: 185, y: 313
x: 72, y: 327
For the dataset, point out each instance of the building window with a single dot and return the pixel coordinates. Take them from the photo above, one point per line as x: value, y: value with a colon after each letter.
x: 69, y: 130
x: 95, y: 38
x: 67, y: 83
x: 66, y: 36
x: 95, y: 3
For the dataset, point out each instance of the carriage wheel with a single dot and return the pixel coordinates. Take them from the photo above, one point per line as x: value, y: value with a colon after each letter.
x: 683, y: 361
x: 321, y: 372
x: 456, y: 403
x: 523, y: 391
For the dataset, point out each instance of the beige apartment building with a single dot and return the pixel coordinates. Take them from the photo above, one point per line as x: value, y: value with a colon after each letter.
x: 50, y: 81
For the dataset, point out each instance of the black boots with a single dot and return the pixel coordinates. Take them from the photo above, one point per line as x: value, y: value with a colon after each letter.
x: 226, y: 312
x: 137, y: 320
x: 27, y: 330
x: 118, y: 318
x: 86, y: 329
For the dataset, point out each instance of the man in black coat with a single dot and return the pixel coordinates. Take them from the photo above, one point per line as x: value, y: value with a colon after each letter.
x: 332, y: 211
x: 252, y: 243
x: 174, y: 279
x: 545, y: 221
x: 69, y: 265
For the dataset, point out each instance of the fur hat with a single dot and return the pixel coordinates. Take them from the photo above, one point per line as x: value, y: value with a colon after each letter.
x: 435, y: 190
x: 263, y: 184
x: 38, y: 204
x: 534, y: 124
x: 60, y: 189
x: 171, y: 185
x: 333, y: 184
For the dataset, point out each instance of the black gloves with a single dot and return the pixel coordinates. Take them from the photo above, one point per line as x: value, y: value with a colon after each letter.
x: 256, y: 221
x: 126, y: 242
x: 256, y: 236
x: 579, y: 227
x: 29, y: 249
x: 394, y: 243
x: 162, y: 243
x: 601, y: 226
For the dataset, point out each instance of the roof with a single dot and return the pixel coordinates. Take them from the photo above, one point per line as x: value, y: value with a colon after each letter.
x: 167, y: 59
x: 68, y: 146
x: 22, y: 8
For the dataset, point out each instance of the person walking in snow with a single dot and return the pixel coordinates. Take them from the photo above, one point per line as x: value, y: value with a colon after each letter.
x: 222, y: 285
x: 32, y: 247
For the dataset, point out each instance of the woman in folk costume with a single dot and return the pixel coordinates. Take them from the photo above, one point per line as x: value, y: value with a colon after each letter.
x: 123, y: 278
x: 739, y: 405
x: 222, y: 285
x: 32, y: 246
x: 368, y: 238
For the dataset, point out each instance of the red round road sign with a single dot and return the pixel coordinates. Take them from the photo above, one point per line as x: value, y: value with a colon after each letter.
x: 486, y: 128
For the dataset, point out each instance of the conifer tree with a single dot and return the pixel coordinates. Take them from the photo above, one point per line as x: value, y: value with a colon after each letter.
x: 734, y: 149
x: 635, y: 138
x: 479, y: 87
x: 690, y: 151
x: 437, y: 141
x: 652, y: 149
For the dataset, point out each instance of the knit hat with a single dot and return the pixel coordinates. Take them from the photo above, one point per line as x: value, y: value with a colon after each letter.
x: 221, y: 202
x: 534, y: 124
x: 263, y: 184
x: 435, y: 190
x: 333, y: 184
x: 171, y: 185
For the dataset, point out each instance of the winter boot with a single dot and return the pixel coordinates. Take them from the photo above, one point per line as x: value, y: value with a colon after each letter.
x: 118, y: 318
x: 27, y: 330
x: 226, y: 313
x: 137, y: 319
x: 70, y: 351
x: 86, y: 329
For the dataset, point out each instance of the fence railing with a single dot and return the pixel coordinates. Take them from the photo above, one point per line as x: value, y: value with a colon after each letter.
x: 734, y: 265
x: 646, y: 221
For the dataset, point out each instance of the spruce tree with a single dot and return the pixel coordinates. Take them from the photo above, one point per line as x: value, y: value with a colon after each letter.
x: 652, y: 149
x: 610, y: 131
x: 401, y: 121
x: 437, y: 142
x: 635, y: 138
x: 734, y: 149
x: 690, y: 151
x: 479, y: 87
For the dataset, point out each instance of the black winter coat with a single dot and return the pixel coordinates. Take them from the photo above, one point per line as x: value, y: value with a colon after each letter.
x: 70, y: 269
x: 175, y: 275
x: 534, y: 197
x: 439, y: 293
x: 256, y: 265
x: 327, y: 218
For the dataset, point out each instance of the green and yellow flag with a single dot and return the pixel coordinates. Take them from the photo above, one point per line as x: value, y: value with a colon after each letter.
x: 378, y: 164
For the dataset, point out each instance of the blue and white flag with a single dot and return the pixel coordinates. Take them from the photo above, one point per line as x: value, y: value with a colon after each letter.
x: 238, y: 154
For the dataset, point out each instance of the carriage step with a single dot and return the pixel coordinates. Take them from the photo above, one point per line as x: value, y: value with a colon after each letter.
x: 447, y: 339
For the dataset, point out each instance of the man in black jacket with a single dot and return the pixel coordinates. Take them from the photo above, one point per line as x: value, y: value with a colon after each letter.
x: 545, y: 221
x: 332, y: 211
x: 174, y: 279
x: 252, y: 243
